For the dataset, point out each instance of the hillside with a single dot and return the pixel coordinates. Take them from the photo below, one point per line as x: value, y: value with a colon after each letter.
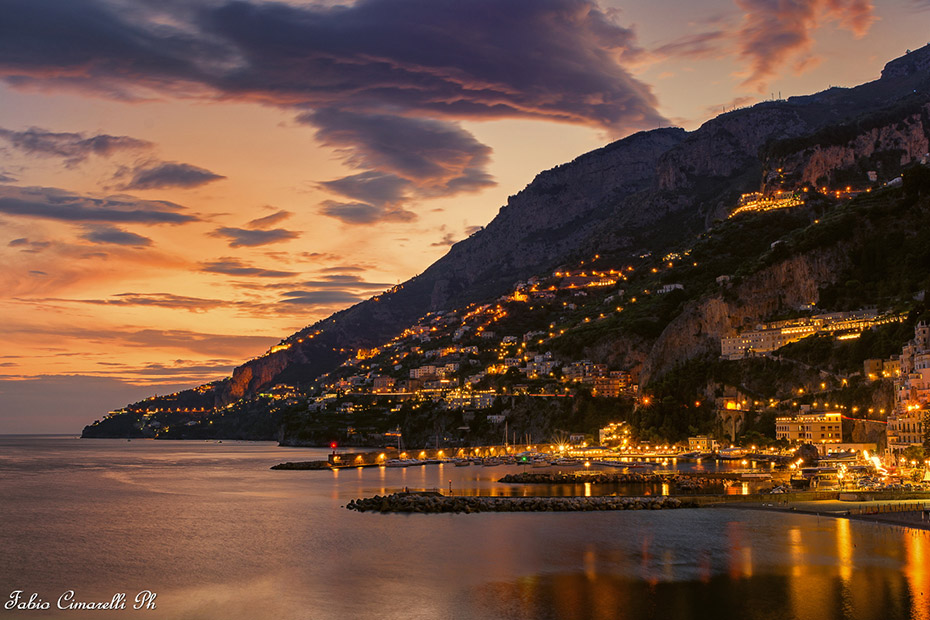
x: 650, y: 195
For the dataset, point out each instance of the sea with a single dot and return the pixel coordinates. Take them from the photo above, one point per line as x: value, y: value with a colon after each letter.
x: 206, y: 530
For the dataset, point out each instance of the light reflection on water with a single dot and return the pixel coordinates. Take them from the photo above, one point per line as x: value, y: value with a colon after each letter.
x: 218, y: 535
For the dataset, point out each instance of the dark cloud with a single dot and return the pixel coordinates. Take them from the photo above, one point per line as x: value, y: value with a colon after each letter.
x: 233, y: 267
x: 269, y: 220
x: 776, y: 33
x: 320, y: 298
x: 32, y: 247
x: 481, y: 59
x: 158, y: 300
x: 6, y: 178
x: 470, y: 230
x: 440, y: 157
x: 382, y: 81
x: 115, y: 236
x: 56, y: 204
x: 344, y: 281
x: 361, y: 213
x: 218, y: 370
x: 72, y: 147
x: 406, y: 158
x: 243, y: 237
x: 164, y: 174
x: 371, y: 187
x: 36, y: 272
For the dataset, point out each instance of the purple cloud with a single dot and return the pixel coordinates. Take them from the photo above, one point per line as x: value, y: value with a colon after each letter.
x: 57, y: 204
x: 243, y: 237
x: 233, y: 267
x: 72, y: 147
x: 269, y: 220
x: 115, y: 236
x: 161, y: 175
x: 382, y: 81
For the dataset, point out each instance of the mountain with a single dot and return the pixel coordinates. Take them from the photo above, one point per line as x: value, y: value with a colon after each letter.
x: 647, y: 193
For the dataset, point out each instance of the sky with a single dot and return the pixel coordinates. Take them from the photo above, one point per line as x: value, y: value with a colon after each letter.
x: 183, y: 183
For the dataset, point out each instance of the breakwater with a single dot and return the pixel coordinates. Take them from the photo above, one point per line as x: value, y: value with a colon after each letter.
x: 436, y: 503
x: 303, y: 465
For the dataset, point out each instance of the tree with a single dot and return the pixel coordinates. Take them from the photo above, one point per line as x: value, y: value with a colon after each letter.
x: 914, y: 453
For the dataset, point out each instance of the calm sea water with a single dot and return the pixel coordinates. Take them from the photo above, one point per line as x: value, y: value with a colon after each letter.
x: 216, y: 534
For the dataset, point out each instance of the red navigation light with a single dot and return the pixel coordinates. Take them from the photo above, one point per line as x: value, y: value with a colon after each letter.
x: 333, y: 445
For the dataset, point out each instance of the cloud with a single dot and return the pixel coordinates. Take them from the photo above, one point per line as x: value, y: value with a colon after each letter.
x: 776, y: 32
x: 157, y: 300
x: 341, y: 281
x: 242, y: 237
x: 74, y: 148
x: 269, y: 220
x: 362, y: 213
x: 383, y: 81
x: 32, y: 247
x: 233, y: 267
x: 440, y: 157
x: 320, y: 298
x: 470, y: 230
x: 344, y: 268
x: 6, y: 178
x: 371, y: 187
x: 115, y: 236
x: 406, y: 158
x: 57, y: 204
x: 165, y: 174
x: 701, y: 45
x: 736, y: 102
x: 447, y: 240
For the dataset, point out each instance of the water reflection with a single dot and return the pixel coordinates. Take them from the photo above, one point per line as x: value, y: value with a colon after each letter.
x: 917, y: 547
x: 215, y: 541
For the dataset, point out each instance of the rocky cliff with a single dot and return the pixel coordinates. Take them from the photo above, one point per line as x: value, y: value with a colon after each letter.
x: 782, y: 286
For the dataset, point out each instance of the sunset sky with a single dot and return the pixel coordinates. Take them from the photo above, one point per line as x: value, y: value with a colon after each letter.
x: 185, y: 182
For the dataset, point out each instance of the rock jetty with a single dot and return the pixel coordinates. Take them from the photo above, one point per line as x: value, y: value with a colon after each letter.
x: 434, y: 503
x: 303, y: 465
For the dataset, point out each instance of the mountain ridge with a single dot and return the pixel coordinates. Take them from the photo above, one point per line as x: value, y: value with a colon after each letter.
x: 647, y: 191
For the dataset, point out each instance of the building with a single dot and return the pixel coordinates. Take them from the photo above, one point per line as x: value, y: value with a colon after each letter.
x: 382, y: 385
x: 609, y: 387
x: 614, y: 434
x: 762, y: 341
x: 822, y: 428
x: 702, y: 443
x: 768, y: 337
x: 906, y: 429
x: 912, y: 392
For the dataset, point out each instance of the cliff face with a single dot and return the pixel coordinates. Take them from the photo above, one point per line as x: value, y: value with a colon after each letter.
x: 883, y: 149
x: 699, y: 328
